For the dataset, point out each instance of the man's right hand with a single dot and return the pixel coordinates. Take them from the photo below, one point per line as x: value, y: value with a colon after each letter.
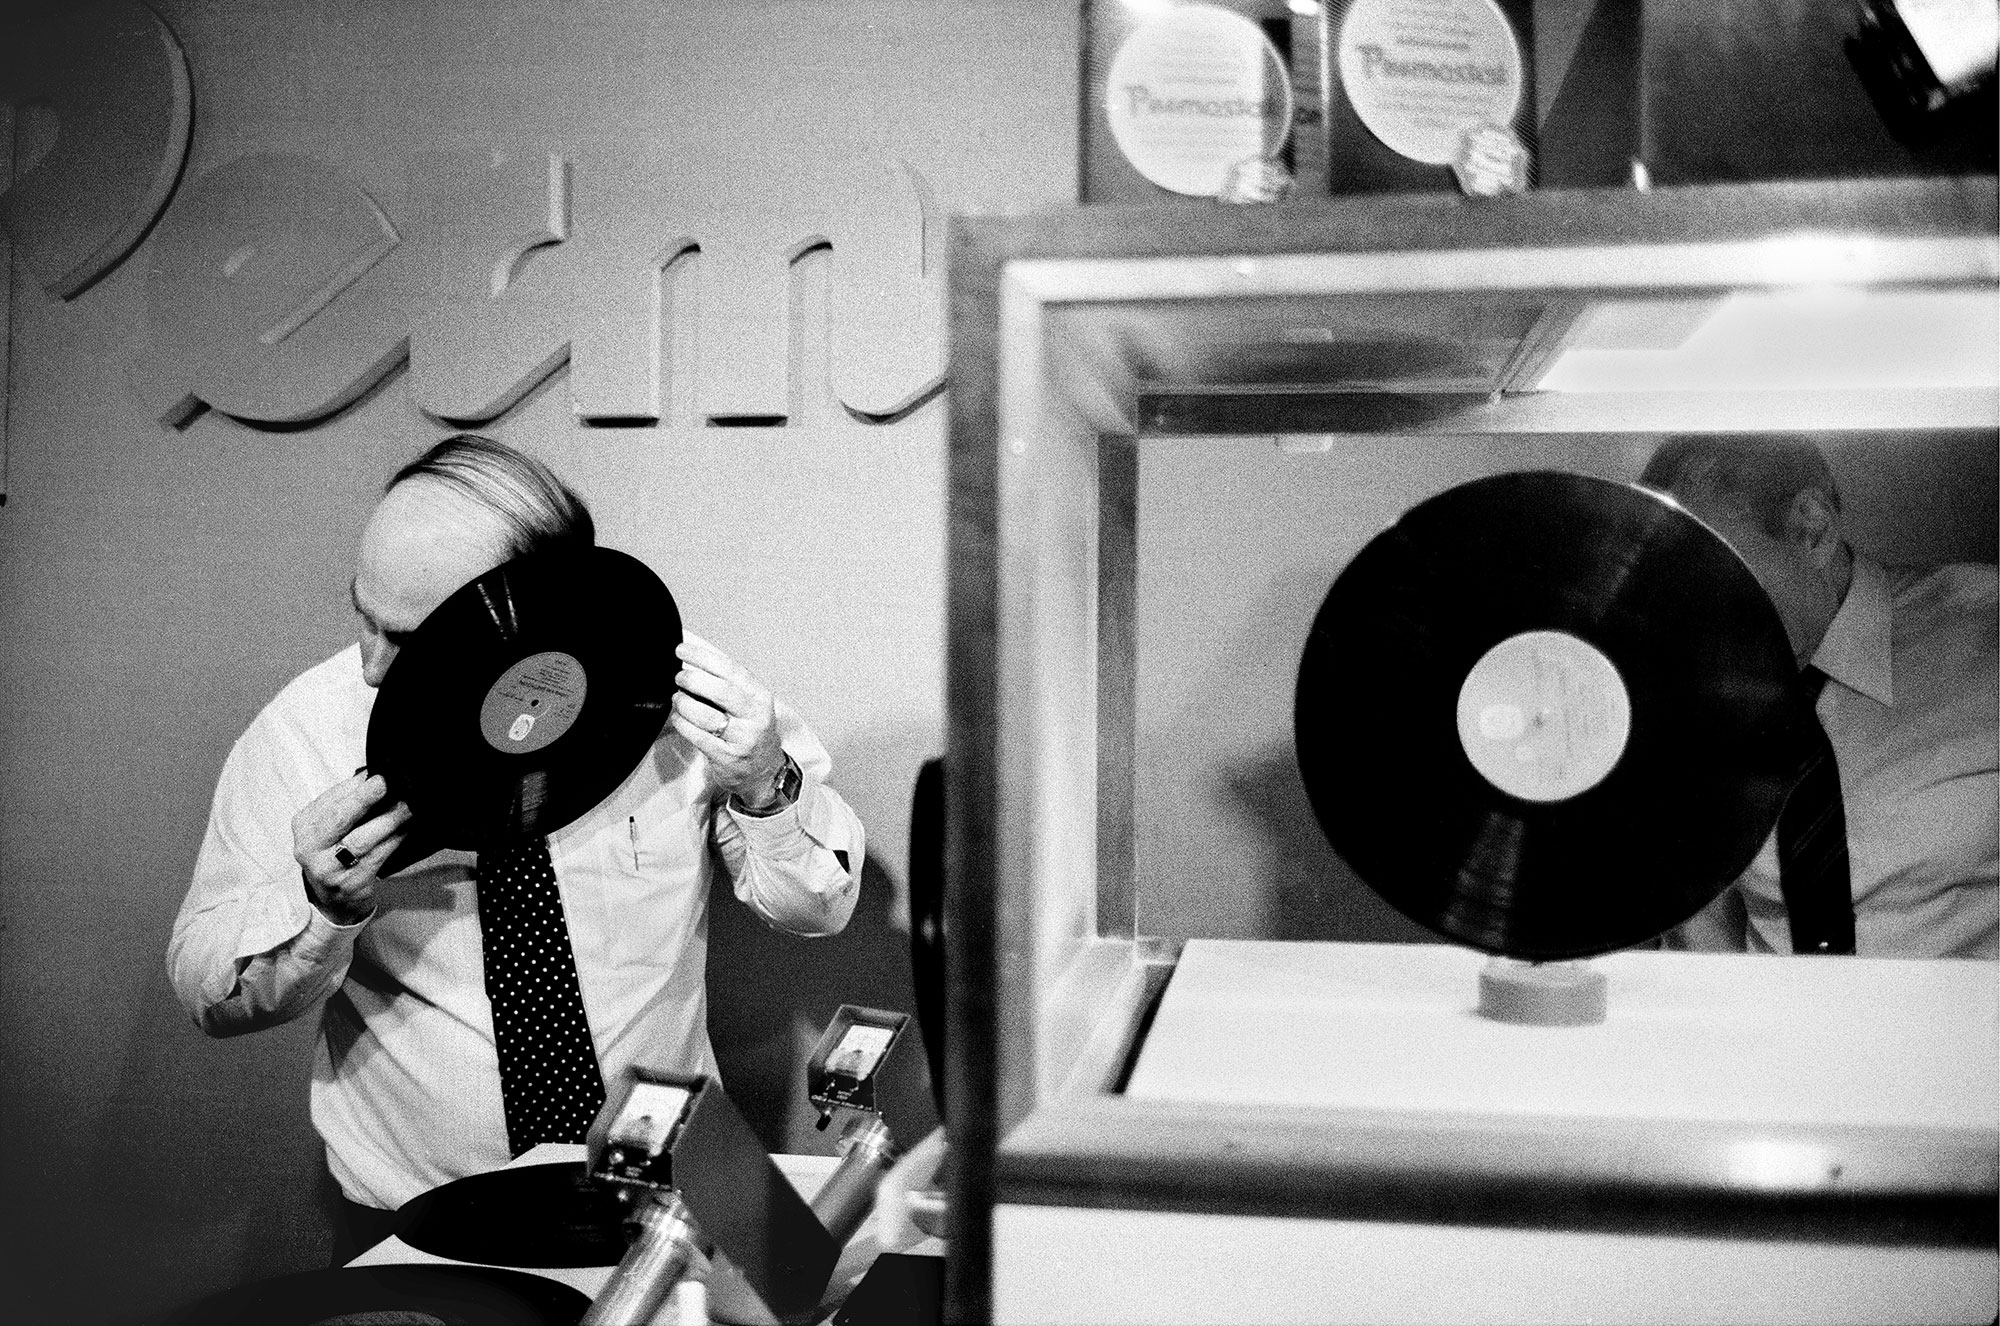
x: 341, y: 845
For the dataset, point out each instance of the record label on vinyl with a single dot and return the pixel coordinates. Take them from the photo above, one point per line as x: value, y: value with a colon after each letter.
x: 526, y: 698
x: 1544, y: 715
x: 534, y: 702
x: 1547, y: 715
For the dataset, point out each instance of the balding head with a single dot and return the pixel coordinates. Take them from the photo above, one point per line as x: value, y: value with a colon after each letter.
x: 1760, y: 473
x: 464, y: 507
x: 1773, y: 498
x: 537, y: 510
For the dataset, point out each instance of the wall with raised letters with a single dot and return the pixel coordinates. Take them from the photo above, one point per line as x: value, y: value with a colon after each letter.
x: 264, y: 252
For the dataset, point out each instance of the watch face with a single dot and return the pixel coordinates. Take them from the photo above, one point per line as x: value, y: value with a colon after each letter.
x: 784, y: 790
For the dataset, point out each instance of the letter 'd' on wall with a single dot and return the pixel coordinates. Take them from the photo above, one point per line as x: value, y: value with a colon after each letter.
x: 491, y: 280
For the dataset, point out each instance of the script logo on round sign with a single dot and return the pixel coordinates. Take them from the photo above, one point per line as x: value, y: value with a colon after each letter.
x: 1421, y: 73
x: 1195, y: 93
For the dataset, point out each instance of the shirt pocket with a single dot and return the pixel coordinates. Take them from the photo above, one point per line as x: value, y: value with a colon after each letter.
x: 655, y: 890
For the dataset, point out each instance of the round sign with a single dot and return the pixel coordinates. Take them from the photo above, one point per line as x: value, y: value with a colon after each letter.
x: 1420, y: 73
x: 1194, y: 93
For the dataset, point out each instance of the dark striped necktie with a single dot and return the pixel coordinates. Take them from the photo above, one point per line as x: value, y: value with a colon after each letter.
x: 550, y: 1087
x: 1812, y: 840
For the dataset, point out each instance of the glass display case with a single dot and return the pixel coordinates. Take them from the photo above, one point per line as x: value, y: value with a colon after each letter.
x: 1194, y: 1066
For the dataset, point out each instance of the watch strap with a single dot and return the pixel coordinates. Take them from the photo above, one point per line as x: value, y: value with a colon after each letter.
x: 783, y: 791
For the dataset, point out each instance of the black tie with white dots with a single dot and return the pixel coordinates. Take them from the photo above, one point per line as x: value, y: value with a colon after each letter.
x: 550, y: 1087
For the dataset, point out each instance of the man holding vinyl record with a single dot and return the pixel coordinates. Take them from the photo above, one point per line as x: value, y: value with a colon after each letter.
x: 481, y: 839
x: 1889, y: 844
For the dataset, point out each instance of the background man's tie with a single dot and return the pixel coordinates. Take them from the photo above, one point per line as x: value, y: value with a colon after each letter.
x: 1812, y: 841
x: 550, y: 1087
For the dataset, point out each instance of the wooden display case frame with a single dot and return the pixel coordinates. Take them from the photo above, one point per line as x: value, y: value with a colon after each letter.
x: 1051, y: 976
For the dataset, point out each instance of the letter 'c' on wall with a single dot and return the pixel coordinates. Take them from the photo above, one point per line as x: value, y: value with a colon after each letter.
x: 268, y: 297
x: 118, y: 83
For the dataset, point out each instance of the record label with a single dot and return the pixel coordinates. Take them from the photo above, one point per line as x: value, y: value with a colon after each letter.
x: 1544, y: 715
x: 534, y: 702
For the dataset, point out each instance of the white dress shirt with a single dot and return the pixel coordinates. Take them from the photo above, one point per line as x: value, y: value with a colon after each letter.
x: 405, y: 1083
x: 1912, y: 706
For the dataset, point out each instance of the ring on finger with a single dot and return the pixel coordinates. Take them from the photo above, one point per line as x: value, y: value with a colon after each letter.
x: 344, y: 856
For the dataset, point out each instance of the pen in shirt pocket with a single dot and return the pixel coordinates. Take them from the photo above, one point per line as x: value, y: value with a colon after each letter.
x: 632, y: 827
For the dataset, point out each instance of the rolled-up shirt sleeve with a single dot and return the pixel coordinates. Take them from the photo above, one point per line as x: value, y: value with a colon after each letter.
x: 800, y: 867
x: 248, y: 949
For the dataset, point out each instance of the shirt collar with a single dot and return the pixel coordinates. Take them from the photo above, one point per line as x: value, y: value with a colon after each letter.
x: 1855, y: 652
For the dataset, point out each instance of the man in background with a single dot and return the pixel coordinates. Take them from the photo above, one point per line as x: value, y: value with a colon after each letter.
x: 289, y: 909
x: 1906, y: 664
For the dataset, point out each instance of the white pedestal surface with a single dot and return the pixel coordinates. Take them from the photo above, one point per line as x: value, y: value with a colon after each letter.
x: 1832, y: 1042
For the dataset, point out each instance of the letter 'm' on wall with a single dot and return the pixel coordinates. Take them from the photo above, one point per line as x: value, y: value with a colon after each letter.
x: 620, y: 339
x: 117, y: 82
x: 268, y: 297
x: 885, y: 324
x: 730, y: 228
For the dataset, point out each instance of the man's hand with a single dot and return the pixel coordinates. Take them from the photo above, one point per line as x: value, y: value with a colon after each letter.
x: 727, y: 715
x: 340, y: 845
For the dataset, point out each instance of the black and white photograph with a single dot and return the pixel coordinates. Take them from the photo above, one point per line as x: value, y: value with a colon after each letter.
x: 1378, y: 621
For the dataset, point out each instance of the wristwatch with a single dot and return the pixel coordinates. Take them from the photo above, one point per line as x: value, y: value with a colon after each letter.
x: 783, y: 791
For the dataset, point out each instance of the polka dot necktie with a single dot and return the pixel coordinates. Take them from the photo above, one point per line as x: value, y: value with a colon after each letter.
x: 1812, y: 840
x: 550, y: 1087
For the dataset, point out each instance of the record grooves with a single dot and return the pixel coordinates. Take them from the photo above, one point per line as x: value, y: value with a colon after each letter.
x: 531, y: 1215
x: 1547, y: 715
x: 525, y: 698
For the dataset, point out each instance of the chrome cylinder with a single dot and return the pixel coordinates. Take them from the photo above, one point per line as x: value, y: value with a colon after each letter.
x: 665, y: 1246
x: 844, y: 1202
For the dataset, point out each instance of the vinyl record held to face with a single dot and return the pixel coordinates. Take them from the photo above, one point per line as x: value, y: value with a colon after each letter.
x: 526, y: 697
x: 1547, y: 715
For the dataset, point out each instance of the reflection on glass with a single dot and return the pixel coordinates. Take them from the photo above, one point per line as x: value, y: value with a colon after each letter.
x: 859, y: 1051
x: 646, y: 1121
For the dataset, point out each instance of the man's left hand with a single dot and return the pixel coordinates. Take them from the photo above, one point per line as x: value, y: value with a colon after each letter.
x: 727, y: 715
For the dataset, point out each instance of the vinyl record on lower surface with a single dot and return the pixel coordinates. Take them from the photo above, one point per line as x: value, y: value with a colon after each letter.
x: 1547, y: 715
x: 526, y: 697
x: 534, y: 1215
x: 394, y: 1296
